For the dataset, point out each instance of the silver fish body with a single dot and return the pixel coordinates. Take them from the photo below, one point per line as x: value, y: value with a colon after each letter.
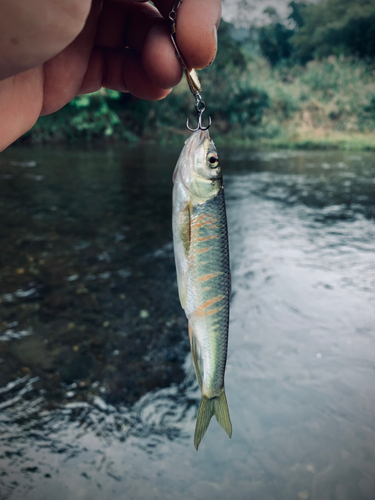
x: 202, y: 262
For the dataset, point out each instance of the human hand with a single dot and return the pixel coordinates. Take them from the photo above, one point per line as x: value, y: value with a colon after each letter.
x: 52, y: 51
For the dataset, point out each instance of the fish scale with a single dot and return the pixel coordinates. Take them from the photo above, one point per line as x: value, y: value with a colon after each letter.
x: 212, y: 263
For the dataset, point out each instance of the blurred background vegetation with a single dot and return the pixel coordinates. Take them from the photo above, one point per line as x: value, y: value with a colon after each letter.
x: 307, y: 80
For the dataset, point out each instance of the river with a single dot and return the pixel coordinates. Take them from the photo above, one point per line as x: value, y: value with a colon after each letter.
x: 98, y: 398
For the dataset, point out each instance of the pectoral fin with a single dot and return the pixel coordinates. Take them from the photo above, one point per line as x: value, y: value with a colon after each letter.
x: 184, y: 226
x: 182, y: 266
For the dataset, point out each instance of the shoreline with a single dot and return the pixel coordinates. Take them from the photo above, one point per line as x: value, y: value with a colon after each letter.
x: 312, y: 140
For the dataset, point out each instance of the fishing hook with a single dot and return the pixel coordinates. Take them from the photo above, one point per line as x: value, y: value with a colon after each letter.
x: 191, y: 76
x: 200, y: 107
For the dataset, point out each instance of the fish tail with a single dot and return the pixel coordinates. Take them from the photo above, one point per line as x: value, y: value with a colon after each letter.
x: 209, y: 407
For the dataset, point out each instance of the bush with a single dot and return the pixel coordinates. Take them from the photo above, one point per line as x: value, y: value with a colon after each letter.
x: 85, y: 118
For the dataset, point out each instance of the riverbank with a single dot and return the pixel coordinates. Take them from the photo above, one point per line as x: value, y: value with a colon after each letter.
x: 316, y: 139
x: 310, y: 139
x: 328, y: 104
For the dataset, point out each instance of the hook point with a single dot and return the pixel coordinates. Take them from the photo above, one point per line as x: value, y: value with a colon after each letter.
x: 199, y: 126
x: 208, y: 126
x: 191, y: 129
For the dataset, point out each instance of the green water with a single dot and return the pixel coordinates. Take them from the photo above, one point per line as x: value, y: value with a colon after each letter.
x: 98, y: 398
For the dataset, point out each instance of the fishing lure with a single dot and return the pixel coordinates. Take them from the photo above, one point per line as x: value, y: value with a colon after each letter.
x: 200, y: 240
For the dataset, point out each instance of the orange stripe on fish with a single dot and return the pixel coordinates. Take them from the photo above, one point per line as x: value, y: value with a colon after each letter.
x: 206, y: 238
x: 213, y: 311
x: 210, y: 302
x: 201, y: 311
x: 207, y: 277
x: 202, y: 250
x: 203, y: 220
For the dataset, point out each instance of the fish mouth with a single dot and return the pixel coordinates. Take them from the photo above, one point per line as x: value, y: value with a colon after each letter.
x: 204, y: 134
x: 218, y: 178
x: 215, y: 175
x: 198, y: 138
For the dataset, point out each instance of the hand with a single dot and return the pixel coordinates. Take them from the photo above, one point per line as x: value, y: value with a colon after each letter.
x: 51, y: 51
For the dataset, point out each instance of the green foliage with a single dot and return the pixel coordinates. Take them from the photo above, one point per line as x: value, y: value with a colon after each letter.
x: 331, y: 27
x: 298, y: 13
x: 366, y: 115
x: 246, y: 106
x: 86, y: 118
x: 334, y: 27
x: 235, y: 103
x: 274, y: 39
x: 332, y: 96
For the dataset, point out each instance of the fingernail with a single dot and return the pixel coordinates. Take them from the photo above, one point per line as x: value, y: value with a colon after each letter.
x: 214, y: 30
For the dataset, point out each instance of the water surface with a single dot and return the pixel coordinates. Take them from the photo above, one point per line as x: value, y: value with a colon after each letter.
x: 97, y: 393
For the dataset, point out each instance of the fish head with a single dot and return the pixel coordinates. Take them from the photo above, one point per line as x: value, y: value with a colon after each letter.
x: 199, y: 167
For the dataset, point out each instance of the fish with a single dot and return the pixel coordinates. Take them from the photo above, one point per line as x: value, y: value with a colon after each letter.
x: 200, y: 241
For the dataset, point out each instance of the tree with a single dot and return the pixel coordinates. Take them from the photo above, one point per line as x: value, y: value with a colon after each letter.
x: 334, y: 27
x: 274, y: 38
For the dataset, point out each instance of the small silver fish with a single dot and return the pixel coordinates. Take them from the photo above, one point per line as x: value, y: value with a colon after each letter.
x: 200, y: 240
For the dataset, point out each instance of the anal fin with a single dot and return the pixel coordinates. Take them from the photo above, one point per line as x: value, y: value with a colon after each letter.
x: 195, y: 353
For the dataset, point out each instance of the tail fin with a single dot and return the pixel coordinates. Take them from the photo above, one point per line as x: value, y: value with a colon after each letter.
x: 208, y: 408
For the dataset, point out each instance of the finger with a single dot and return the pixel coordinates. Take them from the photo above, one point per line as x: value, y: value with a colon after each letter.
x: 196, y: 26
x: 114, y: 67
x: 141, y: 28
x: 121, y: 70
x: 159, y: 57
x: 92, y: 80
x: 65, y: 72
x: 21, y: 99
x: 125, y: 24
x: 135, y: 79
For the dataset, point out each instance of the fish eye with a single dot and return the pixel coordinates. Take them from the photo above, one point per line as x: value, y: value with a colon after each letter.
x: 213, y: 160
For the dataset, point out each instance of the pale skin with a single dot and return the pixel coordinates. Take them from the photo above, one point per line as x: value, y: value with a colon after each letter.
x: 53, y: 50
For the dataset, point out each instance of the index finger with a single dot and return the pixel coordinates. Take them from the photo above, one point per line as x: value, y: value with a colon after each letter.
x: 196, y: 28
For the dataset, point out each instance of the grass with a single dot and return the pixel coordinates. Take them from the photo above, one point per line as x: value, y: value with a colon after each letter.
x: 327, y: 104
